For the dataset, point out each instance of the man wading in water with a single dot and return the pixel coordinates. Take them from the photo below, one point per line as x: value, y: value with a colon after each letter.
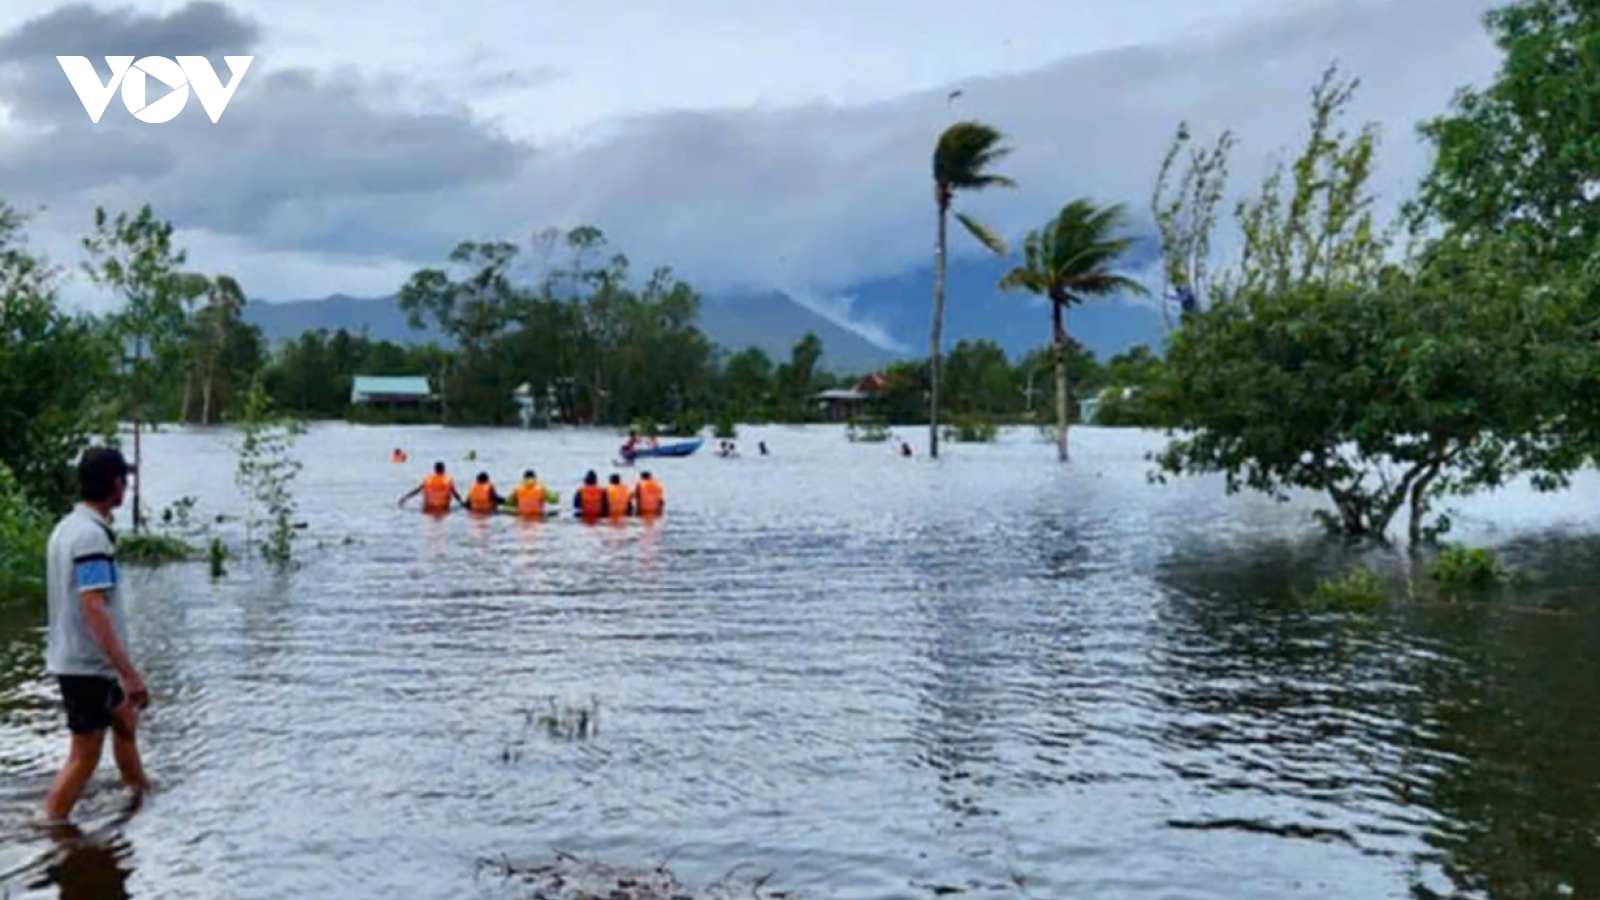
x: 87, y: 647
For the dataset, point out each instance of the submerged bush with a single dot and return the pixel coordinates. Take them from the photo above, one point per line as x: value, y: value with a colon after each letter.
x: 868, y: 430
x: 726, y: 430
x: 1466, y: 567
x: 1359, y: 589
x: 972, y: 430
x: 148, y: 548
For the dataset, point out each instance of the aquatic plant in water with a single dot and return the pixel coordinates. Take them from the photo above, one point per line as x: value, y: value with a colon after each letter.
x: 1357, y: 590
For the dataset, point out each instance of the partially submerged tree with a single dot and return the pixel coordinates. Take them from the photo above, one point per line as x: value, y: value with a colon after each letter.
x: 1323, y: 366
x: 961, y: 162
x: 1068, y: 261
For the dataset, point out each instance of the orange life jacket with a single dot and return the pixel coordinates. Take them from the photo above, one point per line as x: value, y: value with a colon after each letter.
x: 617, y: 496
x: 650, y: 496
x: 482, y: 498
x: 591, y: 500
x: 436, y: 493
x: 530, y: 500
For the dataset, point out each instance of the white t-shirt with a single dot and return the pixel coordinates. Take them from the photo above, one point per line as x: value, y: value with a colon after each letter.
x: 82, y: 556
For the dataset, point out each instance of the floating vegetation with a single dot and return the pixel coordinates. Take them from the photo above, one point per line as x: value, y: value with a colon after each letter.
x: 152, y: 549
x: 1357, y: 590
x: 566, y: 877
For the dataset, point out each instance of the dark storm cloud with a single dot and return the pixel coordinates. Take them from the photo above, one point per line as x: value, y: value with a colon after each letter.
x: 811, y: 196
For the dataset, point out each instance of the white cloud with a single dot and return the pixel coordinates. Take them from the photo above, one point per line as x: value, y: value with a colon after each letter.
x: 840, y: 310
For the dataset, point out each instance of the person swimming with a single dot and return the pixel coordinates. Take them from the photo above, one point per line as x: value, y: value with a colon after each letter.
x: 398, y: 455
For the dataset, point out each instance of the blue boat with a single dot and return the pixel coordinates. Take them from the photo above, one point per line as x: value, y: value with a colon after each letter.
x: 682, y: 448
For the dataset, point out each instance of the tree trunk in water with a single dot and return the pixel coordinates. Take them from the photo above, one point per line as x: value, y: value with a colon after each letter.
x: 938, y: 335
x: 188, y: 394
x: 138, y: 461
x: 205, y: 400
x: 1063, y: 389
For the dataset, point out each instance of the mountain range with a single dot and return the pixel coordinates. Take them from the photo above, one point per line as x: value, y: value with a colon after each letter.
x: 893, y: 310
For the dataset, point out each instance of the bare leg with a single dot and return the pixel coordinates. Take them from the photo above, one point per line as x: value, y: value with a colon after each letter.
x: 82, y: 759
x: 125, y: 747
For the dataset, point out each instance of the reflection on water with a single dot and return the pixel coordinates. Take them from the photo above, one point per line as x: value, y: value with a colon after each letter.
x: 878, y: 677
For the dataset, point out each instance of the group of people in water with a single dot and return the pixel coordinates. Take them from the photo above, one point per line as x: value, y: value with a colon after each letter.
x: 531, y: 499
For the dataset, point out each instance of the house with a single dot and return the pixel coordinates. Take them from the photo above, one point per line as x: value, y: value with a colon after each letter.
x: 843, y: 404
x: 403, y: 392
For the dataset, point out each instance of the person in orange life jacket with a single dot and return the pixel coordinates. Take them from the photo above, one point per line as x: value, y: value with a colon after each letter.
x: 619, y: 499
x: 483, y: 498
x: 590, y: 500
x: 436, y: 490
x: 529, y: 496
x: 649, y: 499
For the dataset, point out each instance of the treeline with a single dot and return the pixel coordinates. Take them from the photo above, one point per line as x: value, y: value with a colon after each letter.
x: 311, y: 376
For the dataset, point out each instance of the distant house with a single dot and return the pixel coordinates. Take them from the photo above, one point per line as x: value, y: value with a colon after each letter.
x: 843, y: 404
x: 404, y: 392
x: 533, y: 410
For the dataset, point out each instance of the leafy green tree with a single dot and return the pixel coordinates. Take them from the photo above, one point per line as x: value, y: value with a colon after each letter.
x: 748, y: 375
x: 1323, y: 367
x: 473, y: 311
x: 1517, y: 165
x: 135, y: 256
x: 1519, y: 158
x: 961, y: 162
x: 55, y: 374
x: 1068, y: 261
x: 220, y: 345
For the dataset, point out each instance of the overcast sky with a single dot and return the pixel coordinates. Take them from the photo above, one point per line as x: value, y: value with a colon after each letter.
x: 771, y: 143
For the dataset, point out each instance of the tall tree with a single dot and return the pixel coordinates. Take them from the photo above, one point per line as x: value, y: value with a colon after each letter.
x: 961, y: 162
x: 1068, y: 261
x: 1185, y: 214
x: 473, y: 311
x: 216, y: 323
x: 135, y: 256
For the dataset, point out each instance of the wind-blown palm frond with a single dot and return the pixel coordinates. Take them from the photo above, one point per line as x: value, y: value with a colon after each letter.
x: 1070, y: 258
x: 965, y: 152
x: 985, y: 235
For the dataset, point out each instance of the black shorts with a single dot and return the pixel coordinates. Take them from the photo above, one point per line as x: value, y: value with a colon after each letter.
x: 89, y: 700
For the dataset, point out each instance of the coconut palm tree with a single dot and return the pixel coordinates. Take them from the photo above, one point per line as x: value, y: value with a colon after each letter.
x: 961, y: 162
x: 1068, y: 261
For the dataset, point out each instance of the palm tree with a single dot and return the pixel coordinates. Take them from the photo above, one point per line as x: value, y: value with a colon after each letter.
x: 1068, y: 261
x: 961, y: 162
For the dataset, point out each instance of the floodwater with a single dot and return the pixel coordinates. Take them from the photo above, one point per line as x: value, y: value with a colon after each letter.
x: 874, y: 677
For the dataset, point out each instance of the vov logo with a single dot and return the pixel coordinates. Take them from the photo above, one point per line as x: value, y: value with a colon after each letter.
x: 134, y: 78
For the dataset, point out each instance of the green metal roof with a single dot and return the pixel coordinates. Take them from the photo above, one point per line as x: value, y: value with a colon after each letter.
x: 368, y: 386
